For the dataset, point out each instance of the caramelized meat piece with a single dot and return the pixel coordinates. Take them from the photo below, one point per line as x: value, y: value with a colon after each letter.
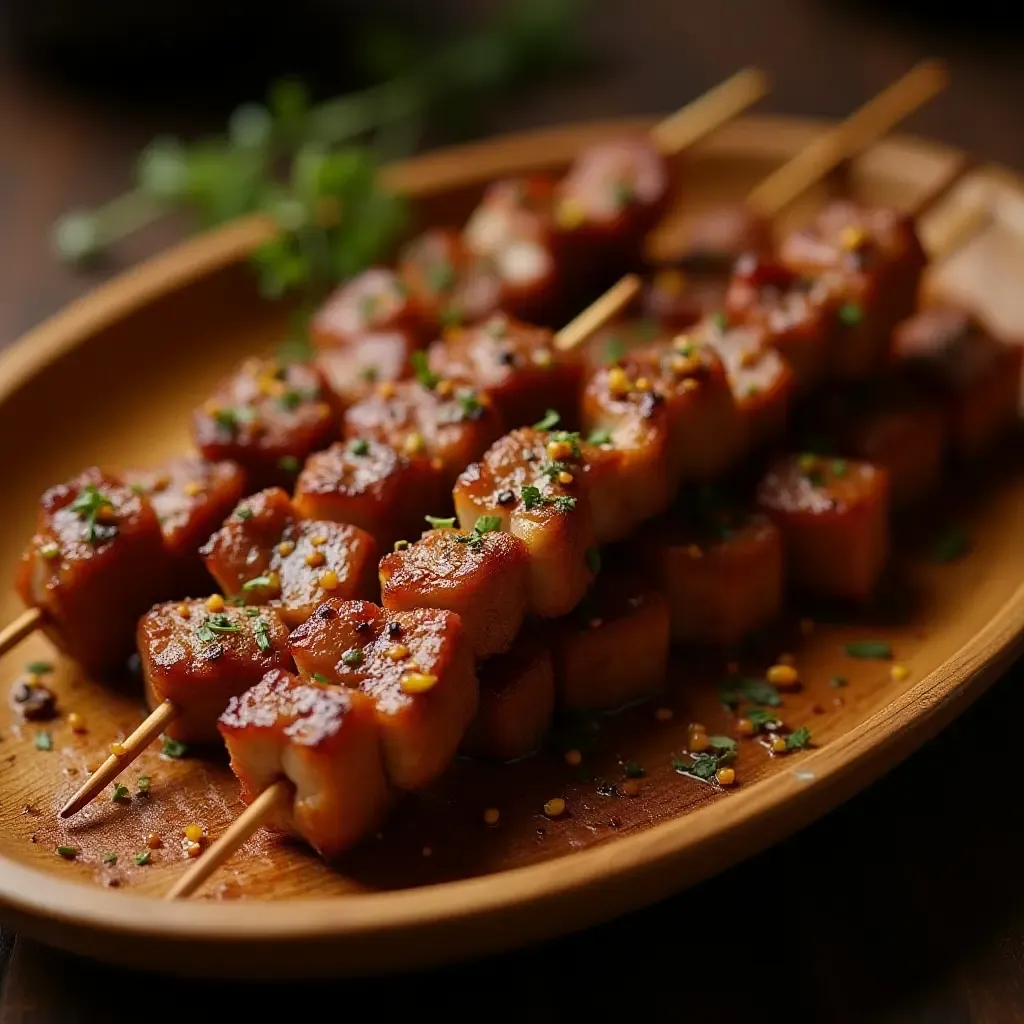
x: 450, y: 284
x: 763, y: 385
x: 200, y: 654
x: 677, y: 299
x: 512, y: 229
x: 798, y: 315
x: 482, y: 575
x: 326, y: 742
x: 614, y: 648
x: 517, y: 702
x: 720, y: 570
x: 532, y: 482
x: 268, y: 417
x: 369, y: 485
x: 446, y: 421
x: 96, y: 562
x: 716, y: 238
x: 416, y: 666
x: 948, y: 354
x: 191, y: 498
x: 833, y: 515
x: 353, y: 371
x: 264, y: 552
x: 517, y: 366
x: 871, y: 261
x: 374, y: 302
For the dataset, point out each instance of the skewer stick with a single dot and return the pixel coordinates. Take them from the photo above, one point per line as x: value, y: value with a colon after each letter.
x: 14, y: 632
x: 261, y: 810
x: 710, y: 111
x: 921, y: 84
x: 134, y: 745
x: 598, y: 313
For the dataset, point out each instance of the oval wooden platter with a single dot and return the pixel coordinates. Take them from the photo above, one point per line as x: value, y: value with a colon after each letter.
x: 112, y: 380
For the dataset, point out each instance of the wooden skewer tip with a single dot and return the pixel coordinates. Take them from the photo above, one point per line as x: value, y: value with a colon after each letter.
x: 598, y: 313
x: 237, y: 834
x: 14, y: 632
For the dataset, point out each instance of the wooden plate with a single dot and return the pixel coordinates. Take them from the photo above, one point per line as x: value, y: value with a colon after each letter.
x: 113, y: 378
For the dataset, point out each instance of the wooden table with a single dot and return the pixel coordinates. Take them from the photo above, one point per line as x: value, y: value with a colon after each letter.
x: 905, y: 905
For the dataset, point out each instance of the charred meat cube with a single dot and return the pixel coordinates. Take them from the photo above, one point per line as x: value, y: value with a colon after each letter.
x: 871, y: 261
x: 264, y: 552
x: 352, y: 372
x: 763, y: 385
x: 608, y: 201
x: 627, y: 454
x: 720, y: 569
x: 948, y: 355
x: 614, y: 648
x: 480, y: 574
x: 96, y: 562
x: 374, y: 302
x: 676, y: 299
x: 191, y: 498
x: 198, y: 654
x: 717, y: 237
x: 450, y: 284
x: 268, y: 417
x: 370, y: 485
x: 533, y: 482
x: 799, y: 315
x: 517, y: 702
x: 449, y: 422
x: 833, y: 515
x: 416, y: 666
x: 517, y: 366
x: 512, y: 229
x: 326, y: 742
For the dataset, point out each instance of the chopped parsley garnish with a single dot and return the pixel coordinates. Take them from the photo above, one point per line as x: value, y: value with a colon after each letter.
x: 552, y: 469
x: 438, y: 523
x: 440, y: 276
x: 243, y: 512
x: 719, y: 320
x: 451, y: 316
x: 120, y: 794
x: 761, y: 718
x: 142, y: 785
x: 877, y: 650
x: 173, y: 748
x: 549, y: 422
x: 623, y: 193
x: 110, y: 858
x: 850, y: 314
x: 471, y: 405
x: 38, y: 668
x: 532, y: 498
x: 251, y: 613
x: 703, y: 765
x: 569, y: 437
x: 369, y: 374
x: 799, y: 739
x: 261, y: 630
x: 599, y: 437
x: 422, y: 371
x: 67, y: 852
x: 840, y: 467
x: 593, y: 557
x: 953, y: 544
x: 288, y: 464
x: 633, y: 770
x: 352, y: 657
x: 740, y: 688
x: 483, y: 525
x: 291, y: 400
x: 614, y: 350
x: 142, y: 859
x: 232, y: 419
x: 360, y: 446
x: 400, y: 545
x: 722, y: 744
x: 219, y: 623
x: 89, y: 504
x: 44, y: 741
x: 319, y: 677
x: 258, y: 583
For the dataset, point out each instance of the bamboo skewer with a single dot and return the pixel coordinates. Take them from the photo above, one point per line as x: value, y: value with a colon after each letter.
x: 598, y: 313
x: 14, y: 632
x: 258, y: 813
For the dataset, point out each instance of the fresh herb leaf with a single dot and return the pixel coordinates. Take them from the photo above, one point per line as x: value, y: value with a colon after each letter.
x: 799, y: 739
x: 422, y: 371
x: 850, y: 314
x: 44, y: 741
x: 319, y: 677
x: 761, y: 718
x: 352, y: 657
x: 142, y: 785
x: 258, y: 583
x: 243, y: 512
x: 67, y: 852
x: 722, y: 744
x: 261, y: 630
x: 288, y: 464
x: 703, y: 765
x: 360, y: 446
x: 205, y: 634
x: 598, y: 437
x: 471, y: 405
x: 89, y: 505
x: 110, y: 858
x: 142, y: 859
x: 840, y: 467
x: 121, y: 794
x: 483, y: 525
x: 837, y: 681
x: 877, y: 650
x: 719, y: 320
x: 530, y: 496
x: 173, y: 748
x: 614, y: 350
x: 758, y: 691
x: 220, y: 623
x: 38, y: 668
x: 438, y: 523
x: 953, y: 544
x: 549, y: 422
x: 633, y: 770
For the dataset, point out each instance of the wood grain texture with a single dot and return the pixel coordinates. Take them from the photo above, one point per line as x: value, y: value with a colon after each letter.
x: 390, y: 904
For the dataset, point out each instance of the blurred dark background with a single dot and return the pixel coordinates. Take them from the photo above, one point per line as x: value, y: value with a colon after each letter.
x: 905, y: 905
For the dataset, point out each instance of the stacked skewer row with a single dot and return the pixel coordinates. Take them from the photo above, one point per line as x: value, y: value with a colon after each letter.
x: 332, y: 706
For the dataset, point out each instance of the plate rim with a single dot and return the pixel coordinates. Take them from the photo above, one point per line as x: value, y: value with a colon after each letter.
x: 66, y: 913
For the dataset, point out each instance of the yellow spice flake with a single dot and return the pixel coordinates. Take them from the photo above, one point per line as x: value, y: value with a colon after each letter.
x: 329, y: 580
x: 418, y: 682
x: 76, y: 721
x: 898, y: 673
x: 193, y: 488
x: 215, y: 603
x: 315, y: 559
x: 783, y: 676
x: 555, y: 807
x: 193, y: 833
